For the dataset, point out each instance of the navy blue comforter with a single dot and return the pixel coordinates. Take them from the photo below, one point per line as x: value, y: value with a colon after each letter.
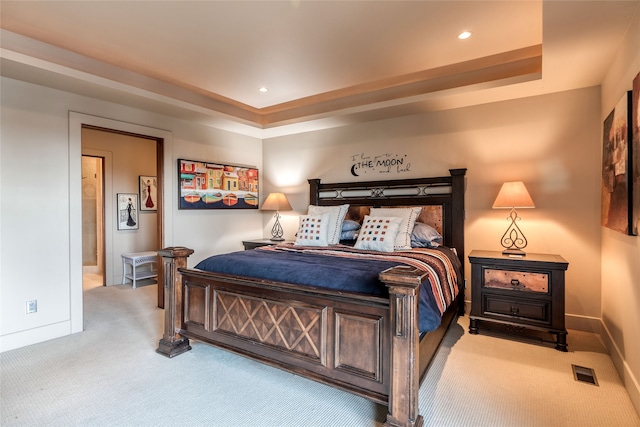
x: 318, y: 270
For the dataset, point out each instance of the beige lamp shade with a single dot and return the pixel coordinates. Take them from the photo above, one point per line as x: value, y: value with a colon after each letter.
x: 276, y: 202
x: 513, y: 195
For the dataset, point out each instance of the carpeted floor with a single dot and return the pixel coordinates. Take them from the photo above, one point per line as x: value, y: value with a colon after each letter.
x: 110, y: 375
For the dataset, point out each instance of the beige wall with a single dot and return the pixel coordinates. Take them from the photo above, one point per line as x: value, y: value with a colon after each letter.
x: 552, y: 143
x: 40, y: 214
x: 620, y: 253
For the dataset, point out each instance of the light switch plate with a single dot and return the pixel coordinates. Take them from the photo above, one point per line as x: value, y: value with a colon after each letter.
x: 32, y: 306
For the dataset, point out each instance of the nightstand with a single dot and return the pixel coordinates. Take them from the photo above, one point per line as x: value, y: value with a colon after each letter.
x: 252, y: 244
x: 523, y: 293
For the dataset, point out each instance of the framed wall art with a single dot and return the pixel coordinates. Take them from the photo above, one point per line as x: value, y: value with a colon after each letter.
x: 148, y: 191
x: 205, y: 185
x: 616, y: 170
x: 127, y: 211
x: 635, y: 155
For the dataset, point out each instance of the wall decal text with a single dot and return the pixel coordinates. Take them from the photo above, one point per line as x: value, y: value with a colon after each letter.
x: 362, y: 164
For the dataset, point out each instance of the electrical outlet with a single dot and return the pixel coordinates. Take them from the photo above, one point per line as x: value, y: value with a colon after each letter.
x: 32, y: 306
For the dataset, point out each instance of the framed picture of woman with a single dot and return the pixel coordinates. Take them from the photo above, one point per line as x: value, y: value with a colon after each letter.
x: 128, y: 211
x: 148, y: 193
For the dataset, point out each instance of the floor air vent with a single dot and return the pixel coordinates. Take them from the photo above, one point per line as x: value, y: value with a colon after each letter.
x: 585, y: 375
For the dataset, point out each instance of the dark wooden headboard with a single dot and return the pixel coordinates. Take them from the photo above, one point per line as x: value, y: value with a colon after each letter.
x: 446, y: 192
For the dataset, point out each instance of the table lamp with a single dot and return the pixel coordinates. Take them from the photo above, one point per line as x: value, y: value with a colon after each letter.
x: 513, y: 195
x: 276, y: 202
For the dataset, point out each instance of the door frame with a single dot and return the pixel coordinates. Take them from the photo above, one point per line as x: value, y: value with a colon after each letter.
x: 103, y: 240
x: 166, y: 193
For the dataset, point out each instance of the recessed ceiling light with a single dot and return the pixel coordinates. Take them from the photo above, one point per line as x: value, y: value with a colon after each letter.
x: 263, y: 89
x: 464, y: 35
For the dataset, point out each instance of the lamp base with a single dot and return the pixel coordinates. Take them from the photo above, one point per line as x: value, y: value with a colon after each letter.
x: 276, y: 231
x: 513, y: 239
x: 514, y: 252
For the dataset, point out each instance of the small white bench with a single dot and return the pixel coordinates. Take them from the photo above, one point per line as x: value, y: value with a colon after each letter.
x: 136, y: 259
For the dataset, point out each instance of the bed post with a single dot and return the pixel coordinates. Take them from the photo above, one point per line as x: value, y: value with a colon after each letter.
x: 458, y: 216
x: 172, y: 343
x: 404, y: 283
x: 314, y: 190
x: 457, y: 208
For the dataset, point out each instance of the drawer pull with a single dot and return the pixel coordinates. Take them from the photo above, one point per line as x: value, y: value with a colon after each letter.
x: 515, y: 310
x: 515, y: 282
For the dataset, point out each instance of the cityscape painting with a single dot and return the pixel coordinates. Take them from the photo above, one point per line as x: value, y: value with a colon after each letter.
x: 207, y: 185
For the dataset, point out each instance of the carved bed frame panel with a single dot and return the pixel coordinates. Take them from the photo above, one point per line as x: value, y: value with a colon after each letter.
x: 367, y: 345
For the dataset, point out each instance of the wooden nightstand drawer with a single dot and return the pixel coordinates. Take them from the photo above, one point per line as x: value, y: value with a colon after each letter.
x: 516, y: 280
x: 517, y: 309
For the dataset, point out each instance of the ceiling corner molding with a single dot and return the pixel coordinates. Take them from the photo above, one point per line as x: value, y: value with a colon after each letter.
x: 23, y: 58
x: 524, y: 62
x: 34, y: 52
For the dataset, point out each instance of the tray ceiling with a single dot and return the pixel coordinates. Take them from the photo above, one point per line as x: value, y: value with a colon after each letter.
x: 324, y: 62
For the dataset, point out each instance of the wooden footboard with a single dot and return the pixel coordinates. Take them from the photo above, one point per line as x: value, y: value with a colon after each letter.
x: 367, y: 345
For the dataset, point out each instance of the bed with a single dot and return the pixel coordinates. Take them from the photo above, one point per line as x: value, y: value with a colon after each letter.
x: 364, y: 343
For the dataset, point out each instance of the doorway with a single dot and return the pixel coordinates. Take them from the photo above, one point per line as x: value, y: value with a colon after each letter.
x: 128, y: 157
x: 165, y: 167
x: 92, y: 222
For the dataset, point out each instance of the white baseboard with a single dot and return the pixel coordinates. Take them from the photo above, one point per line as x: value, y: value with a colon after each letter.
x: 34, y: 336
x: 583, y: 323
x: 628, y: 378
x: 578, y: 323
x: 467, y: 307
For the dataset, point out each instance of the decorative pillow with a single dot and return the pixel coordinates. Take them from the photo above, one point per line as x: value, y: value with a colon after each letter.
x: 350, y: 225
x: 349, y: 235
x: 335, y: 222
x: 378, y: 233
x: 408, y: 216
x: 425, y: 236
x: 312, y: 230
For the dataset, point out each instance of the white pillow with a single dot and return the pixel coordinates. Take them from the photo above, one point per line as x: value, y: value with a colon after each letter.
x: 378, y: 233
x: 335, y: 222
x: 408, y: 215
x: 312, y: 230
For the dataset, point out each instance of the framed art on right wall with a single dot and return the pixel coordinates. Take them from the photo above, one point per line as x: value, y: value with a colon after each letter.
x: 635, y: 155
x: 616, y: 180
